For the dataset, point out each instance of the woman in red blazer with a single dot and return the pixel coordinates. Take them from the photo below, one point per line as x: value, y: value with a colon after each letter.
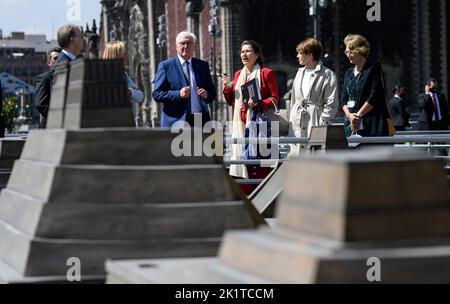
x: 249, y: 115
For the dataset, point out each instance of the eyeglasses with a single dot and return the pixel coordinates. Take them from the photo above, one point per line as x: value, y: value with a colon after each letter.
x: 187, y: 43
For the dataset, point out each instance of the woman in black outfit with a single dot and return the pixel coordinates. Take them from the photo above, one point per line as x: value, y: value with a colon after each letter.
x: 363, y: 98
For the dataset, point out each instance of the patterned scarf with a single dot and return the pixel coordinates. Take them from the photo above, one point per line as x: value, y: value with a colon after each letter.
x: 238, y: 130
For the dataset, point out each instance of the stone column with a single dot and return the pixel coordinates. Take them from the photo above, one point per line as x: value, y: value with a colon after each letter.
x: 105, y: 22
x: 234, y: 31
x: 417, y: 84
x: 338, y: 40
x: 425, y: 38
x: 154, y: 107
x: 233, y: 26
x: 443, y: 48
x: 139, y: 61
x: 193, y: 10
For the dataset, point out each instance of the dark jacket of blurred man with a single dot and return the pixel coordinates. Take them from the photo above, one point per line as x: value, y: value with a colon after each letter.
x: 71, y: 42
x: 400, y: 116
x: 44, y: 85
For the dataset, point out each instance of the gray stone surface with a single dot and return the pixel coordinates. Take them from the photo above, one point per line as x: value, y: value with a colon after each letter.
x: 70, y: 202
x: 366, y: 196
x: 112, y: 192
x: 322, y: 139
x: 326, y: 138
x: 336, y: 212
x: 55, y: 117
x: 34, y: 257
x: 90, y: 93
x: 176, y: 271
x: 113, y: 221
x: 97, y: 95
x: 264, y: 198
x: 109, y: 146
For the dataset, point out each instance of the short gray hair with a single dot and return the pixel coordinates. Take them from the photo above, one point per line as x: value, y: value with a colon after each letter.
x: 183, y: 34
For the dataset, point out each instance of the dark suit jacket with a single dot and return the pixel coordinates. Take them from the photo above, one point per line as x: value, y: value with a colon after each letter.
x: 44, y: 84
x: 170, y: 79
x: 43, y: 91
x: 425, y: 121
x: 399, y: 116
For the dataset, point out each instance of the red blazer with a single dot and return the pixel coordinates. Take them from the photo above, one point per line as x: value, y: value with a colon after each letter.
x: 269, y: 89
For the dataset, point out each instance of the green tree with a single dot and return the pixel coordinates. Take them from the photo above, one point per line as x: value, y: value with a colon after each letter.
x: 9, y: 111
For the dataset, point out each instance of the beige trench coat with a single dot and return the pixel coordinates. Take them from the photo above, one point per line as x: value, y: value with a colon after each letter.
x: 318, y: 107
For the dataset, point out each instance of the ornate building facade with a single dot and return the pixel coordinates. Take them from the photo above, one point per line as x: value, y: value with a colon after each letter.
x: 410, y: 40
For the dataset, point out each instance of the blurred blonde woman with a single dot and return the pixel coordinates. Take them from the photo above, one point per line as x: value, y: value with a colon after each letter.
x: 117, y: 50
x: 363, y: 95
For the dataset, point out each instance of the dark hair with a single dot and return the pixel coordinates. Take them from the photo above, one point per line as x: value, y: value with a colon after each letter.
x: 312, y: 47
x: 65, y: 33
x: 55, y: 49
x: 256, y: 48
x: 397, y: 88
x: 430, y: 81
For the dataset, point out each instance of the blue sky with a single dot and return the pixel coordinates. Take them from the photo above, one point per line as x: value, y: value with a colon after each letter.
x: 46, y: 16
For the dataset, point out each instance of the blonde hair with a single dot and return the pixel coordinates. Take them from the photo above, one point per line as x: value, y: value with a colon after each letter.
x: 358, y: 44
x: 114, y: 50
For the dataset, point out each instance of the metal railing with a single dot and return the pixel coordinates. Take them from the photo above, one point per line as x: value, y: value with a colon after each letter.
x: 418, y: 139
x: 422, y: 140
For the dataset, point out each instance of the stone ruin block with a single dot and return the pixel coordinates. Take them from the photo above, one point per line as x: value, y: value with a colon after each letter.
x: 94, y: 193
x: 337, y: 213
x: 90, y: 93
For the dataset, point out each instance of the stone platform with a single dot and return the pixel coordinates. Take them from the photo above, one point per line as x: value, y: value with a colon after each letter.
x: 93, y: 187
x: 68, y: 198
x: 337, y: 211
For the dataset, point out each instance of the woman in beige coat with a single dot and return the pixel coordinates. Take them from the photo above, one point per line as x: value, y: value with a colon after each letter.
x: 314, y: 99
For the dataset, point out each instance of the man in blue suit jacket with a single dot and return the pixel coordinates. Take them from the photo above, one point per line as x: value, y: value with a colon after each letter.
x: 183, y: 85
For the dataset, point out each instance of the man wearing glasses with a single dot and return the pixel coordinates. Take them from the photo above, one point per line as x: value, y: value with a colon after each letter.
x: 183, y: 85
x: 44, y: 85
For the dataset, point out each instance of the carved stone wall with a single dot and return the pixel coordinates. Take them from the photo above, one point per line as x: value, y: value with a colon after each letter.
x: 127, y: 20
x: 411, y: 40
